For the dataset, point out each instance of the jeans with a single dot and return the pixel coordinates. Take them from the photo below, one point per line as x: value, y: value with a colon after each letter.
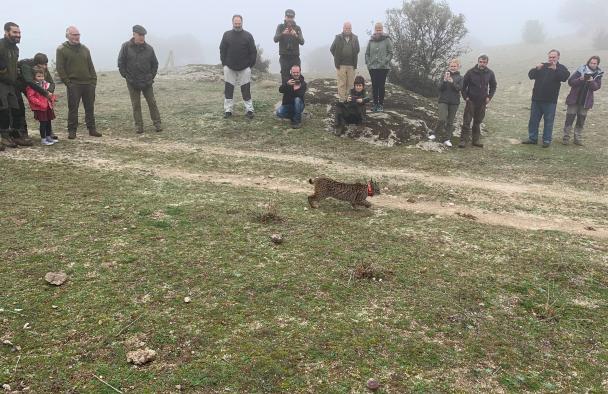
x: 292, y: 111
x: 541, y: 109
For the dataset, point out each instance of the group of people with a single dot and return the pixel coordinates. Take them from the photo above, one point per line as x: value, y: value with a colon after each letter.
x: 238, y: 54
x: 478, y: 86
x: 137, y: 63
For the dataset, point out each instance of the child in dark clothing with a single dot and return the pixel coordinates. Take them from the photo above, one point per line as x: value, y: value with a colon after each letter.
x: 42, y: 106
x: 353, y: 110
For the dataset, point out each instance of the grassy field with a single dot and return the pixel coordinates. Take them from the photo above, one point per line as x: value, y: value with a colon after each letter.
x: 475, y: 271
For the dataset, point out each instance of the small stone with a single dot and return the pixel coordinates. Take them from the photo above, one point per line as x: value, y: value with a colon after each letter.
x: 6, y: 387
x: 55, y: 278
x: 54, y: 306
x: 27, y: 326
x: 178, y: 387
x: 141, y: 357
x: 276, y: 238
x: 187, y: 300
x: 373, y: 385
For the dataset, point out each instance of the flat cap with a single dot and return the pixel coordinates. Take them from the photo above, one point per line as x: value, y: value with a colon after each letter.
x: 139, y: 29
x: 290, y: 12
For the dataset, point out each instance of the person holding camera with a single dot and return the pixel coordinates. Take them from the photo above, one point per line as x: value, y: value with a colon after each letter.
x: 293, y: 91
x: 548, y: 78
x: 450, y: 87
x: 289, y: 36
x: 585, y: 80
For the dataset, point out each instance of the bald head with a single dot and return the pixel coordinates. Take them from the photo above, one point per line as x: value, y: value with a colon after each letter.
x: 347, y: 29
x: 73, y: 35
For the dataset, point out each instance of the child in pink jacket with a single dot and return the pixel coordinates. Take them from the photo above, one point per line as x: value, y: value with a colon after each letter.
x: 42, y: 106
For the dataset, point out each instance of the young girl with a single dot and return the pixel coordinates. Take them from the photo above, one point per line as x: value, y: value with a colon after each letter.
x: 353, y: 110
x: 42, y: 106
x: 449, y: 100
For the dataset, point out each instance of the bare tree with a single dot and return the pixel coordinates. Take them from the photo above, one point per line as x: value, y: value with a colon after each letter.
x: 533, y: 32
x: 426, y: 34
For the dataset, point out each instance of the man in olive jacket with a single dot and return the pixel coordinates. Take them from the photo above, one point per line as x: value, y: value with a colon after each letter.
x: 345, y: 50
x: 76, y: 70
x: 137, y: 63
x: 9, y: 105
x: 289, y: 36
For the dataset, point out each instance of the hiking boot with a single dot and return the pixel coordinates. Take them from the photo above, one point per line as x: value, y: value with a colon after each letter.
x: 2, y: 147
x: 20, y: 141
x: 249, y: 115
x: 296, y: 125
x: 578, y: 142
x: 158, y: 128
x: 227, y: 114
x: 7, y: 141
x: 478, y: 144
x: 546, y: 144
x: 72, y: 134
x: 462, y: 144
x: 139, y: 131
x: 94, y: 133
x: 380, y: 108
x: 565, y: 141
x: 529, y: 142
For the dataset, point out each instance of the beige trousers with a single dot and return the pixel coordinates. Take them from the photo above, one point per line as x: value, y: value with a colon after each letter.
x: 346, y: 79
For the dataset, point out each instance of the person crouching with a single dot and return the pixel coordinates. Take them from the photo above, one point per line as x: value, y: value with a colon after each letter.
x: 293, y: 91
x: 353, y: 110
x: 42, y: 106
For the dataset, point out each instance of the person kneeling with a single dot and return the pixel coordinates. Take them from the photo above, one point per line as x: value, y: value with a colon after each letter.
x: 353, y: 110
x: 293, y: 91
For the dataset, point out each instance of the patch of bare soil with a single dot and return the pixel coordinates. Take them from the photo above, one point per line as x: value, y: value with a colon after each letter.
x: 514, y: 220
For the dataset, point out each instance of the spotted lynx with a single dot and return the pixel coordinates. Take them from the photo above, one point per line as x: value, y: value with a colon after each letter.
x: 355, y: 193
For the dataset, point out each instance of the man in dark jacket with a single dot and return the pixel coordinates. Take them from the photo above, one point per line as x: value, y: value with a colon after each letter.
x: 345, y: 50
x: 293, y: 91
x: 289, y: 36
x: 9, y: 105
x: 478, y: 88
x: 138, y: 64
x: 75, y: 68
x: 238, y: 55
x: 548, y: 78
x: 25, y: 78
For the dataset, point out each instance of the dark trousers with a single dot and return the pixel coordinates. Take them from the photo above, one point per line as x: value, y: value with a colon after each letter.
x: 46, y: 129
x: 19, y: 122
x: 546, y: 110
x: 473, y: 112
x: 378, y: 83
x: 7, y: 118
x: 286, y: 62
x: 135, y: 94
x: 86, y: 93
x: 349, y: 113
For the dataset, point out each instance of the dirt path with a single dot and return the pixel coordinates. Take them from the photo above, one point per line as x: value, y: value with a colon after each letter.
x: 513, y: 220
x: 509, y: 188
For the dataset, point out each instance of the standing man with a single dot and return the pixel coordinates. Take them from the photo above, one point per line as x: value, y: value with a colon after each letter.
x: 548, y: 78
x: 138, y: 64
x: 478, y: 88
x: 76, y: 70
x: 26, y: 78
x: 238, y: 54
x: 345, y: 50
x: 9, y: 106
x: 289, y: 36
x: 293, y: 91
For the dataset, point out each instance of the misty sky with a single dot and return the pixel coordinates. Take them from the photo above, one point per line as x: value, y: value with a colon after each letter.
x: 105, y: 27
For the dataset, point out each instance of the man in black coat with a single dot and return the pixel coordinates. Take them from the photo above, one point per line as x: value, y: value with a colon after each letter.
x: 293, y: 91
x: 238, y: 55
x: 478, y: 88
x: 138, y: 64
x: 548, y: 78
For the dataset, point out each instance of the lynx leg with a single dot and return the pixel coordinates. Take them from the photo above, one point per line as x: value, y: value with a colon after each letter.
x: 311, y: 201
x: 366, y: 204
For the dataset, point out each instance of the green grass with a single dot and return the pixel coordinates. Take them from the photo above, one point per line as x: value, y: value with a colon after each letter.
x: 462, y: 306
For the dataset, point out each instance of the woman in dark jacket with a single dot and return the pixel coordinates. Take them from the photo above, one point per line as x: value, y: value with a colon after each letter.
x: 450, y: 88
x: 586, y: 80
x: 378, y: 56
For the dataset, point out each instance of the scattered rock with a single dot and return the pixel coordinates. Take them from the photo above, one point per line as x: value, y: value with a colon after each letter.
x: 431, y: 146
x: 55, y: 278
x: 6, y: 387
x: 411, y: 200
x: 373, y: 384
x: 590, y: 228
x: 276, y: 239
x: 141, y: 357
x: 187, y: 300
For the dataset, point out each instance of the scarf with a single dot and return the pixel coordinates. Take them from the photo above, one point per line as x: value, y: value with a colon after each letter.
x: 584, y: 69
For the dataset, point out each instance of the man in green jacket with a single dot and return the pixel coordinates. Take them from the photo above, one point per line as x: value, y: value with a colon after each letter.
x: 345, y: 50
x: 76, y: 70
x: 9, y: 106
x: 138, y: 64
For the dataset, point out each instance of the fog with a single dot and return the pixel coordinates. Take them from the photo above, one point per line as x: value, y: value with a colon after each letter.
x: 193, y: 30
